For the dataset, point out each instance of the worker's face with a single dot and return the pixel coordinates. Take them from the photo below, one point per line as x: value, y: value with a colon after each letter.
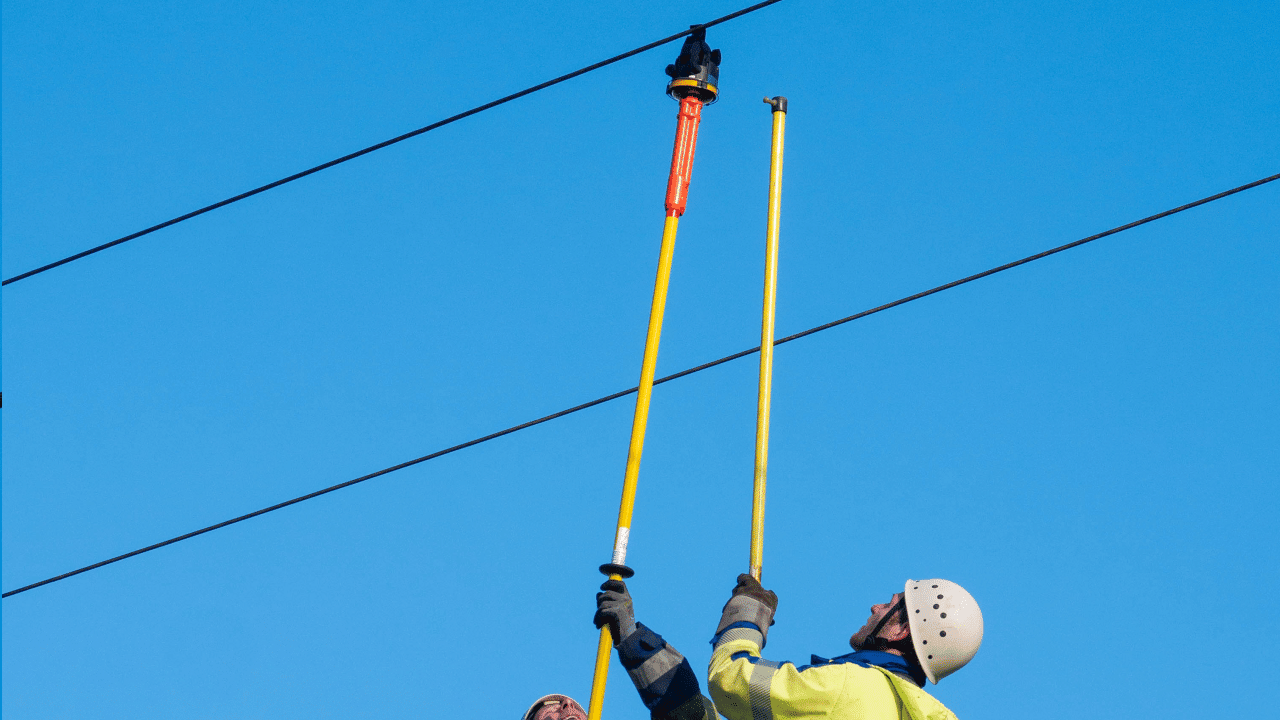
x: 892, y: 630
x: 566, y: 709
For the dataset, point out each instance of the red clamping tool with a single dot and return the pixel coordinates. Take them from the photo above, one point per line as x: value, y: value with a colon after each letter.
x: 694, y: 76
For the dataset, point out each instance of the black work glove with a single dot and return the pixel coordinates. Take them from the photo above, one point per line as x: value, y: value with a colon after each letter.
x: 613, y: 607
x: 750, y: 603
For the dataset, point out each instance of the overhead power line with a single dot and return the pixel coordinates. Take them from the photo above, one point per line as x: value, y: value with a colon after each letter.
x: 388, y: 143
x: 668, y: 378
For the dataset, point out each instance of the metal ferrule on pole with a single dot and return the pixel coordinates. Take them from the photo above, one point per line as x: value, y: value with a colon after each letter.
x: 677, y: 195
x: 766, y: 335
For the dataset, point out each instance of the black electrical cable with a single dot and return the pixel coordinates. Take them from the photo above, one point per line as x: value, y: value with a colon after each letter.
x: 668, y: 378
x: 392, y: 141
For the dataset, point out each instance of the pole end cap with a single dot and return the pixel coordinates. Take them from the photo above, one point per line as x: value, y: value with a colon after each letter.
x: 779, y: 104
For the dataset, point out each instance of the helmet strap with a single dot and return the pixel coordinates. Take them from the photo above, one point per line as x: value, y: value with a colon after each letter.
x: 874, y: 640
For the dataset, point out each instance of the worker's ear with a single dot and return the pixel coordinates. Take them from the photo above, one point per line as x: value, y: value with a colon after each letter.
x: 895, y: 632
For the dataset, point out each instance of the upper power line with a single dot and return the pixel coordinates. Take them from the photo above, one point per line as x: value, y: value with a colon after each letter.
x: 668, y: 378
x: 392, y: 141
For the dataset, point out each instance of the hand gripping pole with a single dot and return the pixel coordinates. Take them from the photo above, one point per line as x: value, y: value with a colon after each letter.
x: 677, y: 193
x: 779, y: 105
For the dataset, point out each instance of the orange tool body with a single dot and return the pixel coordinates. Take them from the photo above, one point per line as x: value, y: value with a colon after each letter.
x: 682, y: 156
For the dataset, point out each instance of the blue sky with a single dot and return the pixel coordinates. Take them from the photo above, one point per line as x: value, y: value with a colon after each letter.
x: 1087, y: 443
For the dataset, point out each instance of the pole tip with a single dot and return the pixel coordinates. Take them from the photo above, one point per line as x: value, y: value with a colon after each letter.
x: 779, y: 103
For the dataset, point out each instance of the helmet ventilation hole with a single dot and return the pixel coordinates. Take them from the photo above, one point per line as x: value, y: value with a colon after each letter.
x: 944, y: 615
x: 943, y: 633
x: 935, y: 606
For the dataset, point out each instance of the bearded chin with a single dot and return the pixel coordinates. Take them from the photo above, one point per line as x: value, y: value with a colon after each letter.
x: 874, y: 642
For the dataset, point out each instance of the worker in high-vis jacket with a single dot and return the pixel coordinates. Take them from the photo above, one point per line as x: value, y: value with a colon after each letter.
x: 926, y: 632
x: 666, y: 681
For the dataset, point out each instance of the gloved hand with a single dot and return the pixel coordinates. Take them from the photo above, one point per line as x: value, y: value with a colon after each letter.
x: 613, y: 606
x: 750, y: 603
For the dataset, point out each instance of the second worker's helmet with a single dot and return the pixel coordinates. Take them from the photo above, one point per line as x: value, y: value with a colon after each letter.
x: 563, y: 703
x: 946, y: 625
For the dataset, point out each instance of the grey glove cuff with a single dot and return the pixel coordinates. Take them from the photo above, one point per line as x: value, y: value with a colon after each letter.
x: 744, y: 608
x: 626, y: 626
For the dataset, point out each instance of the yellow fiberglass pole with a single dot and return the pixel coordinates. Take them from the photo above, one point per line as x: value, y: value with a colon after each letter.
x: 687, y: 121
x: 638, y: 425
x: 779, y: 105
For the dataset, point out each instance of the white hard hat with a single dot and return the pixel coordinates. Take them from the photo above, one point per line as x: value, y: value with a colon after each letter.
x: 946, y: 625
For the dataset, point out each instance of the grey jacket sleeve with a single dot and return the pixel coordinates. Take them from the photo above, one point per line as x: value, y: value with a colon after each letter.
x: 664, y: 678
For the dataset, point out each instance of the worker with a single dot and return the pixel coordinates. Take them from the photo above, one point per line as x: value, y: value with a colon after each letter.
x: 926, y: 632
x: 666, y: 681
x: 555, y: 707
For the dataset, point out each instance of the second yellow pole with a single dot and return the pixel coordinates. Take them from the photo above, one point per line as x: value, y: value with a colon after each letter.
x: 779, y: 105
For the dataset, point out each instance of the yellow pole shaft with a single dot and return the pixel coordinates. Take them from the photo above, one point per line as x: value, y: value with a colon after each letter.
x: 766, y: 344
x: 638, y: 425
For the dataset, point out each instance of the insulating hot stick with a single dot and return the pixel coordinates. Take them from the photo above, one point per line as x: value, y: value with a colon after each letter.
x: 677, y: 194
x: 779, y: 105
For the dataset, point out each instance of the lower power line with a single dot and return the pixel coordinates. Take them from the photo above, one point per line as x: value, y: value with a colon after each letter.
x: 668, y: 378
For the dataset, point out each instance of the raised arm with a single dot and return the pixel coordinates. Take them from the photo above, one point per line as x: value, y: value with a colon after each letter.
x: 744, y: 685
x: 665, y: 680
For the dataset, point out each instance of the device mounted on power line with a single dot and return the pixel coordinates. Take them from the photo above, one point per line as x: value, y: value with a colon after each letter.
x: 696, y: 72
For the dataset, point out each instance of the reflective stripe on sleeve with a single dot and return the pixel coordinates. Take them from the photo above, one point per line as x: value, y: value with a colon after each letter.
x: 652, y: 670
x: 741, y: 633
x: 758, y: 689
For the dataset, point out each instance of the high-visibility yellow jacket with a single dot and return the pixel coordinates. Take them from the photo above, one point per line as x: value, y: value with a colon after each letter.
x: 745, y: 686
